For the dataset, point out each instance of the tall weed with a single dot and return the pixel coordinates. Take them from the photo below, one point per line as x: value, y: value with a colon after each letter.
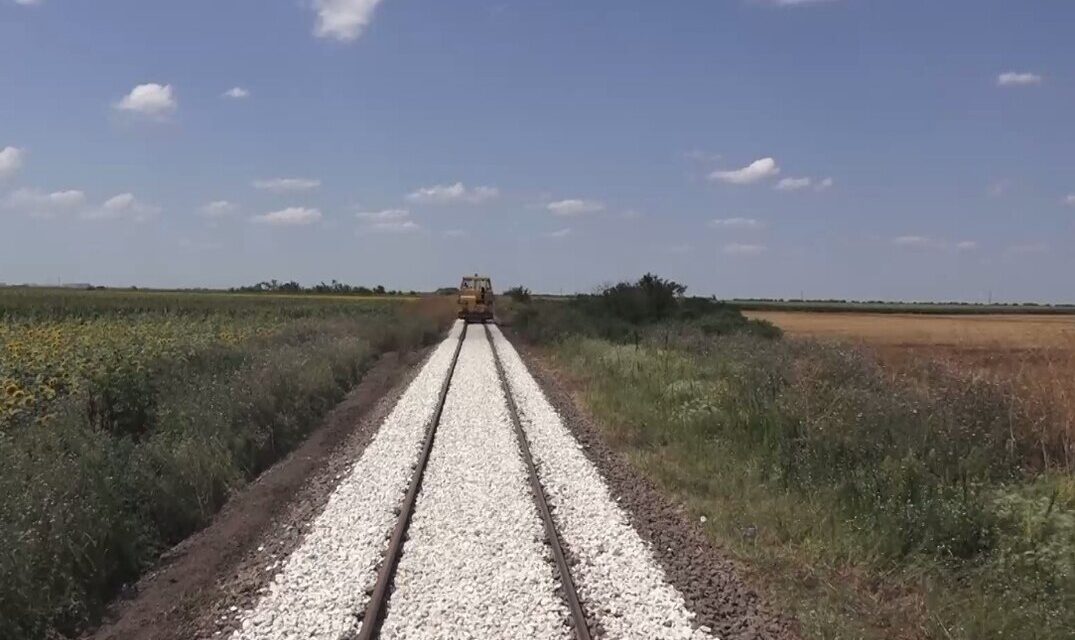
x: 817, y: 449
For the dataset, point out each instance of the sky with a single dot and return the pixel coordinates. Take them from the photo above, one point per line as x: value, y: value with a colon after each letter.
x: 899, y: 150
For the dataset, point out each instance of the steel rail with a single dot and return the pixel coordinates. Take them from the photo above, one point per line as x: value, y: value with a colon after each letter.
x: 375, y: 610
x: 582, y: 632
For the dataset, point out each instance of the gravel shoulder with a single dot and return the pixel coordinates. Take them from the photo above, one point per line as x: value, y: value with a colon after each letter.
x: 710, y: 583
x: 196, y: 583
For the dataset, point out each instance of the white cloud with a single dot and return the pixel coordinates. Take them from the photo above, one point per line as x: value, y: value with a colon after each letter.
x: 559, y: 233
x: 794, y: 184
x: 218, y: 209
x: 292, y: 216
x: 1018, y: 79
x: 736, y: 249
x: 919, y: 242
x: 343, y: 20
x: 122, y: 207
x: 153, y: 100
x: 236, y: 93
x: 453, y: 193
x: 574, y: 207
x: 735, y: 223
x: 388, y: 221
x: 28, y: 3
x: 1070, y: 200
x: 755, y: 171
x: 933, y: 244
x: 798, y: 184
x: 394, y: 226
x: 385, y: 215
x: 44, y: 205
x: 286, y: 185
x: 10, y: 161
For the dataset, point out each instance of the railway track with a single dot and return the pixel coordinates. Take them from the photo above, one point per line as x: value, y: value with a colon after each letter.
x: 456, y: 520
x: 373, y: 618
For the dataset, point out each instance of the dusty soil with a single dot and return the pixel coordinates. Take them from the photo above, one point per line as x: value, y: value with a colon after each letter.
x: 709, y: 581
x: 199, y: 586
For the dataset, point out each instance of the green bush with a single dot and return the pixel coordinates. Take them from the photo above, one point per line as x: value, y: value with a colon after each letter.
x: 519, y: 294
x: 628, y: 311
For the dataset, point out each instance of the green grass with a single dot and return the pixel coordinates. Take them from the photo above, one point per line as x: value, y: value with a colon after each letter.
x: 144, y: 448
x: 870, y: 508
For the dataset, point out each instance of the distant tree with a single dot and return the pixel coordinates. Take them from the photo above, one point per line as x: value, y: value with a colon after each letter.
x: 650, y: 298
x: 518, y: 294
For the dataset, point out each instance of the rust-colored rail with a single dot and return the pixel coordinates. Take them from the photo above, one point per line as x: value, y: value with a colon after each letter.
x: 582, y: 632
x: 375, y: 610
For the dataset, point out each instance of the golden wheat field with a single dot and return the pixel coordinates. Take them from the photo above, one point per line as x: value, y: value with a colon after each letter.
x: 1005, y: 331
x: 1032, y: 355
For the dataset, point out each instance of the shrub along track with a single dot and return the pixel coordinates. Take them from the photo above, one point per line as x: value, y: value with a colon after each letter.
x: 494, y: 522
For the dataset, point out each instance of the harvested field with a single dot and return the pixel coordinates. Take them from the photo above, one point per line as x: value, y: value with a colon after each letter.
x: 1030, y: 356
x: 1012, y: 331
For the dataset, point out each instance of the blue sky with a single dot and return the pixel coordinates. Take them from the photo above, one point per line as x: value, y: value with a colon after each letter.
x: 836, y: 148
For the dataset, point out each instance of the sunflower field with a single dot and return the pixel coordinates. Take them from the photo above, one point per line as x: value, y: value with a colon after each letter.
x: 46, y: 361
x: 128, y: 417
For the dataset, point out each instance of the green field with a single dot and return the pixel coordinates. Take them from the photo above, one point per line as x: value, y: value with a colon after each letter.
x: 127, y: 418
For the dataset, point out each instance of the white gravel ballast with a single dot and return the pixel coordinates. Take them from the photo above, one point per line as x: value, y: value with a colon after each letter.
x: 622, y: 587
x: 321, y: 588
x: 476, y: 564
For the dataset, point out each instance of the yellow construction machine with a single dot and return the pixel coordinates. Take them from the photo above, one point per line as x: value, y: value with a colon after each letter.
x: 476, y: 299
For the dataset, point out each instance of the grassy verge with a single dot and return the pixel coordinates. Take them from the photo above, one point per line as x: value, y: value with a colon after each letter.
x: 870, y: 506
x: 135, y: 458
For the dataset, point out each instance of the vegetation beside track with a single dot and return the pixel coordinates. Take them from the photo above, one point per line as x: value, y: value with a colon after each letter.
x: 126, y: 419
x: 873, y: 505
